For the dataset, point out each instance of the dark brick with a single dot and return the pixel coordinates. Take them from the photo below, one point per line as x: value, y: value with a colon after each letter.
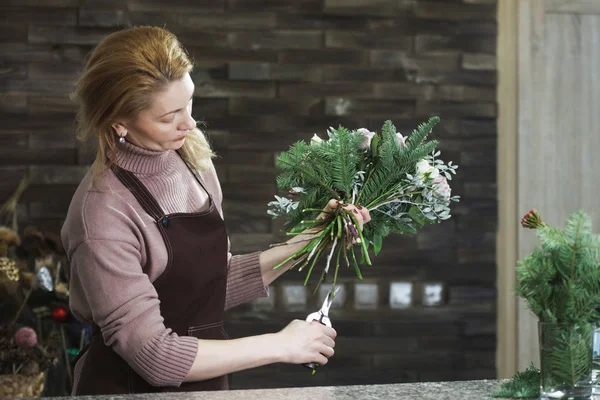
x: 386, y: 109
x: 65, y: 35
x: 13, y: 103
x: 422, y: 359
x: 57, y: 175
x: 13, y: 32
x: 477, y: 360
x: 372, y: 7
x: 250, y: 242
x: 453, y: 11
x: 275, y: 72
x: 54, y: 70
x: 13, y: 141
x: 11, y: 176
x: 437, y: 235
x: 249, y: 106
x: 463, y: 94
x: 480, y: 110
x: 479, y: 62
x: 444, y: 44
x: 275, y: 5
x: 221, y: 54
x: 341, y: 89
x: 478, y: 127
x: 224, y: 88
x: 37, y: 156
x: 472, y: 272
x: 43, y: 3
x: 210, y: 107
x: 319, y: 21
x: 407, y: 61
x: 402, y: 91
x: 37, y: 86
x: 102, y: 17
x: 41, y: 141
x: 471, y: 294
x: 324, y: 56
x: 484, y: 324
x: 480, y: 190
x: 194, y: 21
x: 487, y: 157
x: 251, y: 174
x: 178, y: 5
x: 48, y: 104
x: 246, y: 191
x: 24, y: 52
x: 276, y: 40
x: 476, y: 222
x: 57, y: 16
x: 369, y: 40
x: 366, y: 73
x: 12, y: 70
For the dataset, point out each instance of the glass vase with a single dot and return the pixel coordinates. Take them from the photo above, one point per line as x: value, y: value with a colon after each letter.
x: 565, y: 360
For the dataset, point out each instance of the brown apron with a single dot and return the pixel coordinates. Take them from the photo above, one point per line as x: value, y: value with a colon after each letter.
x: 191, y: 291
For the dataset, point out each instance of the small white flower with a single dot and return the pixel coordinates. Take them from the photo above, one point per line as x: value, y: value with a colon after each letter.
x: 401, y: 139
x: 368, y: 137
x: 425, y: 170
x: 316, y: 139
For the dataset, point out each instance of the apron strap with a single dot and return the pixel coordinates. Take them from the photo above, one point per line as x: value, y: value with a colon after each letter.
x: 140, y: 192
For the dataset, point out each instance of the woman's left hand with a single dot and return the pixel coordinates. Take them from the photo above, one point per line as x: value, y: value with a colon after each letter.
x: 360, y: 213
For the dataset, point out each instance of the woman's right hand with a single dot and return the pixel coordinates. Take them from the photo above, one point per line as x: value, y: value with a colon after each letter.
x: 302, y: 342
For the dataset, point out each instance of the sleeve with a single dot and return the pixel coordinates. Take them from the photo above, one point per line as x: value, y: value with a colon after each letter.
x: 244, y: 280
x: 107, y: 278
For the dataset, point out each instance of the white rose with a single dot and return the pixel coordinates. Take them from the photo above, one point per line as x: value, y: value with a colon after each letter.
x: 442, y: 188
x: 425, y: 170
x: 315, y: 139
x: 368, y: 137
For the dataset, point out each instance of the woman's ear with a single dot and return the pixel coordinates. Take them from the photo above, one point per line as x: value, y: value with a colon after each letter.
x: 120, y: 129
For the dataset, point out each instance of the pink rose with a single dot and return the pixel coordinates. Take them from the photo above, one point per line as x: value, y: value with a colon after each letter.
x: 368, y: 137
x: 401, y: 139
x: 441, y: 188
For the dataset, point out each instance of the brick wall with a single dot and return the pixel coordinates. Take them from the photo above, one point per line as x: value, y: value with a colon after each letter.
x: 270, y: 72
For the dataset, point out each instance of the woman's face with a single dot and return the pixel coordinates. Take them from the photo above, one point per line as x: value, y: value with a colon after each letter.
x: 164, y: 125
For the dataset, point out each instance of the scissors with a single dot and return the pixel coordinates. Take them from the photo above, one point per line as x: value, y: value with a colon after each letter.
x: 322, y: 317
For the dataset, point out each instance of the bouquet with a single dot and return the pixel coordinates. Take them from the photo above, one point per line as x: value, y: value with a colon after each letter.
x: 400, y: 180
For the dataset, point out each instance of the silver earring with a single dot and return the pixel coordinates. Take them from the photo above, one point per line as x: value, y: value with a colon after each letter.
x: 122, y: 139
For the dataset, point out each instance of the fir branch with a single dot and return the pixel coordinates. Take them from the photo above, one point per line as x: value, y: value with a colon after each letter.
x: 523, y: 385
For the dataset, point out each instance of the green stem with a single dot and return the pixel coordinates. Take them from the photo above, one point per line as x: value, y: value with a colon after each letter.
x: 362, y: 241
x: 356, y: 267
x: 306, y: 248
x: 312, y: 265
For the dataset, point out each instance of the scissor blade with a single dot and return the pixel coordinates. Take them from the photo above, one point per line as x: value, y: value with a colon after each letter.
x: 328, y: 300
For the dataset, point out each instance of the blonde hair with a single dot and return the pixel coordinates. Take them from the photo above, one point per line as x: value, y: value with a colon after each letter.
x: 118, y: 79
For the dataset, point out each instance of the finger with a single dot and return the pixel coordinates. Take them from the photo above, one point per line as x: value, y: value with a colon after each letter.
x: 320, y: 359
x: 329, y: 342
x: 326, y: 351
x: 330, y: 332
x: 365, y: 213
x: 359, y: 218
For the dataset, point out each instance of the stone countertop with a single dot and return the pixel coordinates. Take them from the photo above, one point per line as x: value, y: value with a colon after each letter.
x: 460, y: 390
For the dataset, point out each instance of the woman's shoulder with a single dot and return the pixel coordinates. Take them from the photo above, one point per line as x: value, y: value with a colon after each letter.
x: 102, y: 208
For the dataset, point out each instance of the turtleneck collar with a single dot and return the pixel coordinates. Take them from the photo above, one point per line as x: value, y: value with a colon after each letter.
x: 143, y: 161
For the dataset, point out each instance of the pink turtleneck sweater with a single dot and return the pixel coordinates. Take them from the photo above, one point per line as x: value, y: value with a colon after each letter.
x: 116, y: 251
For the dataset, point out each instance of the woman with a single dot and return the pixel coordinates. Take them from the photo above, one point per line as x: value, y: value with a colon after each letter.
x: 148, y: 250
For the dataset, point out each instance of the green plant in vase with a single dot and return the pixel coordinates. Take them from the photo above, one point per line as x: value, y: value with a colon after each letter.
x: 560, y: 283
